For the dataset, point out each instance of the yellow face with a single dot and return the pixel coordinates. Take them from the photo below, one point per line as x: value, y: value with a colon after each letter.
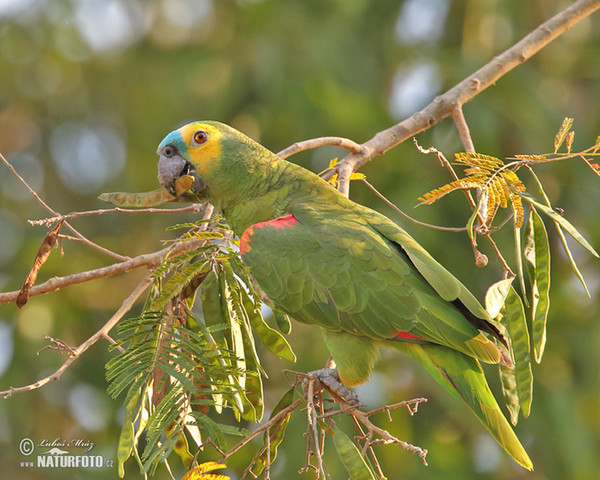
x: 192, y: 150
x: 201, y: 144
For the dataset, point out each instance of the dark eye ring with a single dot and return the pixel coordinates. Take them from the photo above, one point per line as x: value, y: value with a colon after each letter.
x: 200, y: 137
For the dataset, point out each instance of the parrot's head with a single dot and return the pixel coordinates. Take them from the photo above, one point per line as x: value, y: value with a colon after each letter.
x: 194, y: 149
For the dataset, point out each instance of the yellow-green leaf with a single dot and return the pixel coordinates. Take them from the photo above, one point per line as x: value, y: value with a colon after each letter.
x: 496, y: 296
x: 274, y: 435
x: 509, y: 391
x: 537, y: 253
x: 271, y: 338
x: 354, y: 462
x: 562, y: 221
x: 125, y: 445
x: 516, y: 324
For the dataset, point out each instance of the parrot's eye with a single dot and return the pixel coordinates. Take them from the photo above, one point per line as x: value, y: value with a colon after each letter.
x: 200, y: 137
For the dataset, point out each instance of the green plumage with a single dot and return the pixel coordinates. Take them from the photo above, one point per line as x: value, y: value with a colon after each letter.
x: 328, y: 261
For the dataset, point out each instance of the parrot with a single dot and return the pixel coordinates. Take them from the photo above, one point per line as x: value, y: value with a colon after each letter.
x: 325, y: 260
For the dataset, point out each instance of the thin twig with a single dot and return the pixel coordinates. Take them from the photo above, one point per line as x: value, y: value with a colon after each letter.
x: 76, y: 352
x: 149, y: 260
x: 272, y: 421
x: 48, y: 208
x: 408, y: 217
x: 195, y: 208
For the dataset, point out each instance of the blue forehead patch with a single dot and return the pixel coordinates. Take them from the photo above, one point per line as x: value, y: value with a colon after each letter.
x: 174, y: 138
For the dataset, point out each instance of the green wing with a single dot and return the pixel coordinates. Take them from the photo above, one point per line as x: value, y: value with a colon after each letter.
x: 333, y: 268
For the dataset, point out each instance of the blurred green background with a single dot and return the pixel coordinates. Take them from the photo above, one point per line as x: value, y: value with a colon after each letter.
x: 89, y: 88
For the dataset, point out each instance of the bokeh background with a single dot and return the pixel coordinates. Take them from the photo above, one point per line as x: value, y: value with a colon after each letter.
x: 88, y: 89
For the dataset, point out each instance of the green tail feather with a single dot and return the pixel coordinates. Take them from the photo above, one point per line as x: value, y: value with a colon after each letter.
x: 463, y: 377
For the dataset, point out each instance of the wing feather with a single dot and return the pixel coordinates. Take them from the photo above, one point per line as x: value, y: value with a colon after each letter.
x: 355, y: 271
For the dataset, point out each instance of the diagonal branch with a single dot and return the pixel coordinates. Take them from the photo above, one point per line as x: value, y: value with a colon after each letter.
x: 81, y: 237
x: 445, y: 104
x: 75, y: 353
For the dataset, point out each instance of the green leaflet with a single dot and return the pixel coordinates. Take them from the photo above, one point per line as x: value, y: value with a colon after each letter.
x: 563, y: 222
x: 283, y: 322
x: 519, y: 257
x: 560, y: 222
x: 165, y: 366
x: 537, y: 253
x: 516, y: 324
x: 271, y: 338
x: 353, y: 461
x: 274, y: 435
x: 495, y: 299
x: 177, y: 282
x: 127, y: 432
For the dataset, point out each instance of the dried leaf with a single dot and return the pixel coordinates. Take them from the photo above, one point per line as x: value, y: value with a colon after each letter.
x: 562, y: 133
x: 200, y: 472
x: 499, y: 186
x: 569, y: 140
x: 40, y: 258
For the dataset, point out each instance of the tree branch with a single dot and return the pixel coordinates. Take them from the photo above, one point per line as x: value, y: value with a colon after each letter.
x: 447, y: 103
x: 48, y: 208
x: 75, y: 353
x: 149, y: 260
x: 297, y: 147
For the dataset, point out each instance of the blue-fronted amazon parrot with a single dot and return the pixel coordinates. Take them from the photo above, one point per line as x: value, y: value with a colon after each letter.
x: 327, y: 261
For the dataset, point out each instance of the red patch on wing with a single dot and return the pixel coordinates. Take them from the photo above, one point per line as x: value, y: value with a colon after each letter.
x: 407, y: 336
x: 285, y: 221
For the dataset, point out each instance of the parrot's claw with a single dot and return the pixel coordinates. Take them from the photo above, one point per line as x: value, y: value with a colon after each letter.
x: 330, y: 380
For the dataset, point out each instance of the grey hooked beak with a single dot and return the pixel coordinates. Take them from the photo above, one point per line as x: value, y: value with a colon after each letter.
x: 171, y: 166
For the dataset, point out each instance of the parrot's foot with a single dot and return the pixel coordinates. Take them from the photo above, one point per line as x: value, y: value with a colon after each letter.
x: 330, y: 380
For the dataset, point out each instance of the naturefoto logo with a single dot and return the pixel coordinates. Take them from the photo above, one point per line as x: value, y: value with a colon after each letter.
x: 59, y: 453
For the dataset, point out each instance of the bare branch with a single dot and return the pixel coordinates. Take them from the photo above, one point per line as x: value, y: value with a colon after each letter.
x: 463, y: 129
x: 297, y: 147
x: 407, y: 216
x: 48, y: 208
x: 443, y: 105
x: 75, y: 353
x: 149, y: 260
x: 195, y: 208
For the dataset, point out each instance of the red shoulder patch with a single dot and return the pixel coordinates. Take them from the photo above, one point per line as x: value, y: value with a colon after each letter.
x: 407, y: 336
x: 286, y: 221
